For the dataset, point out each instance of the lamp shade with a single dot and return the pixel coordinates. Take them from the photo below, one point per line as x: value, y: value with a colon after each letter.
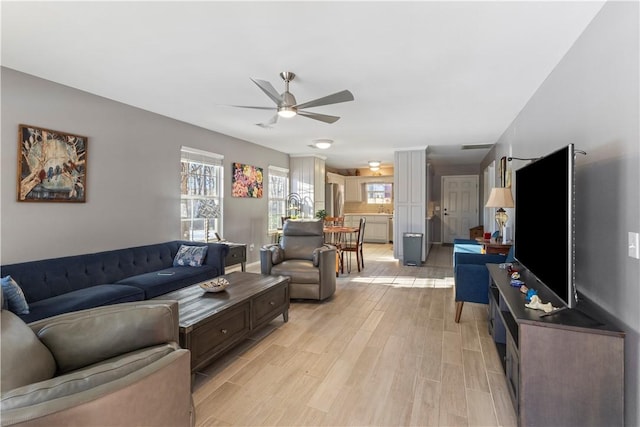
x: 500, y: 198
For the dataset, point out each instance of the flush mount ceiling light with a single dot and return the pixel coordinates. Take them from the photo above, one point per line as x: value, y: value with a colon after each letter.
x: 322, y: 144
x: 374, y: 163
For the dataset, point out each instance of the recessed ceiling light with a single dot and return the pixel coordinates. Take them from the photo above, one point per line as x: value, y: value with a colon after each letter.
x: 374, y: 163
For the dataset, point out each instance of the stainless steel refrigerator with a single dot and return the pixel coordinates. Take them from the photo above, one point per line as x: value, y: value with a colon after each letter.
x: 334, y: 200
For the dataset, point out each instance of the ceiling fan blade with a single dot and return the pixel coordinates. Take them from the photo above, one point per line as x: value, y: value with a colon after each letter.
x: 250, y: 106
x: 320, y: 117
x: 268, y: 124
x: 268, y: 88
x: 335, y: 98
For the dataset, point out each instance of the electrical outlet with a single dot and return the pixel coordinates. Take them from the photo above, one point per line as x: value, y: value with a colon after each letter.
x: 252, y: 247
x: 634, y: 248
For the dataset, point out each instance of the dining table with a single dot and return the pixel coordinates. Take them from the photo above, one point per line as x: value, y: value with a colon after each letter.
x: 340, y: 236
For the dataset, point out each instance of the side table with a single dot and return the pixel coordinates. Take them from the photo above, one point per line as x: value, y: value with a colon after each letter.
x: 237, y: 255
x: 493, y: 247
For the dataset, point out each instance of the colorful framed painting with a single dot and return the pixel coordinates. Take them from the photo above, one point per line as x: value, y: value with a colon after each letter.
x: 52, y: 166
x: 246, y: 181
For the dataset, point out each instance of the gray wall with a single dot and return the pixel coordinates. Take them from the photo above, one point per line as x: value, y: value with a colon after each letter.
x: 592, y: 100
x: 133, y: 176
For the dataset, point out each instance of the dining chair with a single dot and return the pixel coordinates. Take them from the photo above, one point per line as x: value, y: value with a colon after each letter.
x: 334, y: 238
x: 335, y: 221
x: 355, y: 246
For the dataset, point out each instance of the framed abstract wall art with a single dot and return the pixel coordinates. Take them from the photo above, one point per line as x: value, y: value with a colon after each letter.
x: 52, y: 165
x: 246, y: 181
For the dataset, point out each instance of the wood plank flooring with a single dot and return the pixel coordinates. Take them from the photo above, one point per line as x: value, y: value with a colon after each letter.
x: 383, y: 351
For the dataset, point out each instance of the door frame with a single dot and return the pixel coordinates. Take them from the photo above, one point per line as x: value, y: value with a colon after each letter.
x: 442, y: 198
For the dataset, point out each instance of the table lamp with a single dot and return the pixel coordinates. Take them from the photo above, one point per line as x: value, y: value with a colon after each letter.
x: 501, y: 198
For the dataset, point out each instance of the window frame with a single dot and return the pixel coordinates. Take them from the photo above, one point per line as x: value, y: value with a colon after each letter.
x: 379, y: 200
x: 274, y: 219
x: 190, y: 221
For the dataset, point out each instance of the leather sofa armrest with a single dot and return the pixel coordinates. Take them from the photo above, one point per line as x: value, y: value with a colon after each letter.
x: 158, y: 394
x: 320, y: 252
x: 270, y: 255
x: 327, y: 265
x: 85, y: 337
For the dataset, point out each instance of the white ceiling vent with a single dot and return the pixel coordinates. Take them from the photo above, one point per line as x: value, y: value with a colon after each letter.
x: 476, y: 147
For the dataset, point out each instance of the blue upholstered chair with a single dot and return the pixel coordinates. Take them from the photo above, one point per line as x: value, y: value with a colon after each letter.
x: 472, y: 277
x: 467, y: 246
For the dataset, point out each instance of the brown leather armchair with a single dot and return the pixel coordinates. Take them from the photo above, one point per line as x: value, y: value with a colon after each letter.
x: 114, y: 365
x: 303, y: 256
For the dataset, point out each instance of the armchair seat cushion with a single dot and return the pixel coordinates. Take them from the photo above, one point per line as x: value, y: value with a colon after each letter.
x: 299, y: 270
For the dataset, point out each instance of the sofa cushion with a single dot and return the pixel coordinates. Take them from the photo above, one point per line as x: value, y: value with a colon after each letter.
x: 168, y: 280
x: 13, y: 296
x: 299, y: 270
x: 95, y: 296
x: 190, y: 256
x: 123, y: 329
x: 25, y: 360
x: 84, y: 379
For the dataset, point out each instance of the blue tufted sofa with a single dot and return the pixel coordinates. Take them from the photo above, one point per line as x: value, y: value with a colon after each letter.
x: 61, y: 285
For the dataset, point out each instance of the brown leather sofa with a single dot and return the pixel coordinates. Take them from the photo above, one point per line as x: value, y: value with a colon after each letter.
x: 114, y: 365
x: 303, y: 256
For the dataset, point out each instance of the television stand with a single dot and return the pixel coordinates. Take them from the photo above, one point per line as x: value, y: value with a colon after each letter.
x: 556, y: 311
x: 561, y: 370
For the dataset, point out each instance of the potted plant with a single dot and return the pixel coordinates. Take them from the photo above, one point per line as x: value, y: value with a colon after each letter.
x: 321, y: 214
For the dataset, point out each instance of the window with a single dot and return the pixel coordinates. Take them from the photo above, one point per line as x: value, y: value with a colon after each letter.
x: 379, y: 193
x: 200, y: 194
x: 278, y: 192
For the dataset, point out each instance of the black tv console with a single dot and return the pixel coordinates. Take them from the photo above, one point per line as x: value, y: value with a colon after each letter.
x: 566, y: 369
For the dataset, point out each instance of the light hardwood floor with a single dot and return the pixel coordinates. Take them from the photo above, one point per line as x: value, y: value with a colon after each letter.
x: 384, y: 350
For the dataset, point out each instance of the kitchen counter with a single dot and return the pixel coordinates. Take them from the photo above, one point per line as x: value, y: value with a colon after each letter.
x: 368, y: 214
x: 377, y: 229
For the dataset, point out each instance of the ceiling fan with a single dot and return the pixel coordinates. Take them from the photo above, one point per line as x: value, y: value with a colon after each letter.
x: 287, y: 106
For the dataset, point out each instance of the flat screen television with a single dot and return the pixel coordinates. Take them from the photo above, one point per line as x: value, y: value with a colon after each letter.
x: 544, y: 222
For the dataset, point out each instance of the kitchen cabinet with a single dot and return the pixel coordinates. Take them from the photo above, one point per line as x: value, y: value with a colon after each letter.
x: 352, y: 189
x: 376, y: 229
x: 334, y: 178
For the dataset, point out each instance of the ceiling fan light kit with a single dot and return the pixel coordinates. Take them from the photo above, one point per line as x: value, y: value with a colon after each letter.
x: 287, y: 106
x: 287, y: 112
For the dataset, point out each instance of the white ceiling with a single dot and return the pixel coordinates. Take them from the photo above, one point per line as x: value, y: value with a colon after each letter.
x: 440, y: 74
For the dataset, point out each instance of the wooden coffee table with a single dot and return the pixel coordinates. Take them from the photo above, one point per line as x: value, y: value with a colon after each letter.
x: 211, y: 323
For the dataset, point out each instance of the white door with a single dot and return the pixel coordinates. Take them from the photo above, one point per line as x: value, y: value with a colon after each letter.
x: 459, y: 206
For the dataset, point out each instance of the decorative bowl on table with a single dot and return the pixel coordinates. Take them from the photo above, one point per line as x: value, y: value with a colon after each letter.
x: 216, y: 285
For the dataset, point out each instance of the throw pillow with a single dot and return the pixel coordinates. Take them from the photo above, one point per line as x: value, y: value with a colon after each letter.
x: 12, y: 293
x: 190, y: 256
